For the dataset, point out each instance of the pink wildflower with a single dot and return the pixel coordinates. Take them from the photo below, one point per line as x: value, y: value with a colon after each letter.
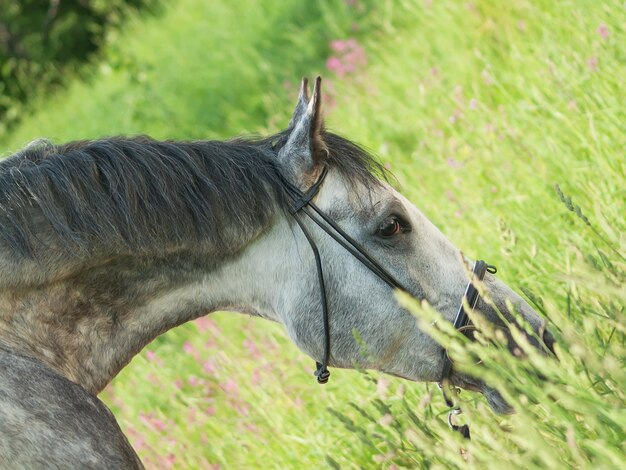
x: 202, y: 324
x: 209, y: 367
x: 456, y: 116
x: 333, y: 64
x: 603, y: 31
x: 349, y: 57
x: 338, y: 46
x: 152, y: 421
x: 242, y: 408
x: 168, y: 460
x: 136, y: 438
x: 191, y: 349
x: 453, y: 163
x: 252, y: 428
x: 193, y: 381
x: 230, y: 387
x: 592, y: 63
x: 205, y: 323
x: 150, y: 355
x: 252, y: 348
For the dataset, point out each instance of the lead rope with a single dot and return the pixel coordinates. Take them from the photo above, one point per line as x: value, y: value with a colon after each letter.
x: 460, y: 321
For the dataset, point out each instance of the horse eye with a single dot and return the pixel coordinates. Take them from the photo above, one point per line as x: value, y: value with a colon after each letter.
x: 391, y: 226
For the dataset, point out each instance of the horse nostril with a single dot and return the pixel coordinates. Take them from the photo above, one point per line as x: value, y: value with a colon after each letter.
x: 549, y: 341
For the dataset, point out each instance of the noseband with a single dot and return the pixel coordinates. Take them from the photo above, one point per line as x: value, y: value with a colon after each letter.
x: 461, y: 323
x: 302, y: 203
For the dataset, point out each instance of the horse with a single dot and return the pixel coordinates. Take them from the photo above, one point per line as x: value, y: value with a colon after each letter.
x: 106, y: 244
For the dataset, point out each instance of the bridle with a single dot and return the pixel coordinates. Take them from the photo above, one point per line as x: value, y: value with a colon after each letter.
x: 302, y: 203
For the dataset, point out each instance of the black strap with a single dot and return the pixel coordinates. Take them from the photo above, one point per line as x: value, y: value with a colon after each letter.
x: 322, y: 373
x: 462, y: 319
x: 351, y: 245
x: 301, y: 199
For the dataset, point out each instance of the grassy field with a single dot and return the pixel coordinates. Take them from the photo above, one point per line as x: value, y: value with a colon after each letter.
x: 480, y: 109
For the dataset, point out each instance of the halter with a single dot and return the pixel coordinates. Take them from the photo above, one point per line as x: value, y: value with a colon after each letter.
x: 303, y: 203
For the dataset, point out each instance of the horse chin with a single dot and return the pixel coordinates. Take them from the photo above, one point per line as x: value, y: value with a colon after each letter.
x: 494, y: 398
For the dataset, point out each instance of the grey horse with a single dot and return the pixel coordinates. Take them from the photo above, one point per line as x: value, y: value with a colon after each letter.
x: 106, y: 244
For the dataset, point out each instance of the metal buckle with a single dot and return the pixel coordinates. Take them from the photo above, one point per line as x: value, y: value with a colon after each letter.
x: 454, y: 412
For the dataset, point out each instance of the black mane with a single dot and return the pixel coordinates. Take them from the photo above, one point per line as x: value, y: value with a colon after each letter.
x: 137, y: 193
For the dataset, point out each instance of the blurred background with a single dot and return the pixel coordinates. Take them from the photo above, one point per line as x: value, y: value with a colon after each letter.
x: 479, y: 108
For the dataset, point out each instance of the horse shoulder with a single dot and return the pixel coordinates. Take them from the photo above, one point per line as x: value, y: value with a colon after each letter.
x: 47, y: 421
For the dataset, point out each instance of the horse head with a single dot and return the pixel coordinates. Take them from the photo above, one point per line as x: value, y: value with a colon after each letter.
x: 360, y: 302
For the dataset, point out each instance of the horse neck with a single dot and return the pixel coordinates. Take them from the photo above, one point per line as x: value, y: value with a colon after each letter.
x: 89, y: 325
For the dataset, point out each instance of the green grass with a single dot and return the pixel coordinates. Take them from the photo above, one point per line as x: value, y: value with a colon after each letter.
x: 479, y: 109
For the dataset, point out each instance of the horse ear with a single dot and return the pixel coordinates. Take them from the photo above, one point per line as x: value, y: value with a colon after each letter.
x: 305, y: 148
x: 303, y: 102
